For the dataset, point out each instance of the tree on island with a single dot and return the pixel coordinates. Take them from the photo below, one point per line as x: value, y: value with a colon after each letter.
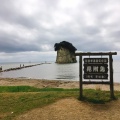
x: 65, y: 52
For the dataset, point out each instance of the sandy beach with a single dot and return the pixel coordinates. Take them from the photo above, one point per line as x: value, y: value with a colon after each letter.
x: 41, y: 83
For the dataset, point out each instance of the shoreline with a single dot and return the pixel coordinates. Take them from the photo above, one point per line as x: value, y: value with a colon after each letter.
x: 43, y: 83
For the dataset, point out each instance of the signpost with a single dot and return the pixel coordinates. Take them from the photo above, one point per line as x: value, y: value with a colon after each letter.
x: 96, y: 69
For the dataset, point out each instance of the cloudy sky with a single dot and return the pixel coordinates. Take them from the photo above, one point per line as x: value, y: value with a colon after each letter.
x: 30, y: 28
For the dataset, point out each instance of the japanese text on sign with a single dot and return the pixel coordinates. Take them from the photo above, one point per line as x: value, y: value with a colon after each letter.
x: 95, y: 60
x: 95, y: 68
x: 95, y: 76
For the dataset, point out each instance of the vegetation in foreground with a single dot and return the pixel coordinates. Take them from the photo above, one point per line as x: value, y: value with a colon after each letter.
x: 15, y: 100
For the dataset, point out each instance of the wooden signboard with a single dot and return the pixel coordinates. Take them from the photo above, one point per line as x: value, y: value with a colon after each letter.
x: 96, y: 69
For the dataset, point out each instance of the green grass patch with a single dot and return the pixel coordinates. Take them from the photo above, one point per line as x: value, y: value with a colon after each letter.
x: 96, y: 96
x: 24, y: 101
x: 18, y: 89
x: 15, y: 100
x: 4, y: 89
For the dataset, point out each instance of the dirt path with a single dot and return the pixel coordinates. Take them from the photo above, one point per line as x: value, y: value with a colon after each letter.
x: 72, y: 109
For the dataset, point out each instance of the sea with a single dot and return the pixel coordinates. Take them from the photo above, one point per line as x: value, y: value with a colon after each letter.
x: 50, y: 71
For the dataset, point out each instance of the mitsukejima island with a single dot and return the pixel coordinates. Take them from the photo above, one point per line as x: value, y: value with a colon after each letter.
x: 65, y: 52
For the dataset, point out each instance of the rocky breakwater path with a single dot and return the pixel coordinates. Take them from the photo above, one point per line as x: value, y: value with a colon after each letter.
x: 21, y: 67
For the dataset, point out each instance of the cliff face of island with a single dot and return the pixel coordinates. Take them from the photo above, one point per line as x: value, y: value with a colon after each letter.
x: 65, y: 52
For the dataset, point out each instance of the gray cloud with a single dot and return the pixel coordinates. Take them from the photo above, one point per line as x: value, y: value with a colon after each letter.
x: 14, y: 46
x: 36, y: 25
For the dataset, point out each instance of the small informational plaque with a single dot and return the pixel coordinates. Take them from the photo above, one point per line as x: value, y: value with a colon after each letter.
x: 95, y: 68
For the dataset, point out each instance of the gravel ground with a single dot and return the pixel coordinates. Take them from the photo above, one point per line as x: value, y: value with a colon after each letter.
x: 41, y: 83
x: 72, y: 109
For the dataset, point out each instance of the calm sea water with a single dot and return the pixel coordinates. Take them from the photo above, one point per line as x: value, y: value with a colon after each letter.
x: 51, y: 71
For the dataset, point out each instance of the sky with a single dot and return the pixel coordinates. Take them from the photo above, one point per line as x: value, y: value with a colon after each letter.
x: 30, y: 28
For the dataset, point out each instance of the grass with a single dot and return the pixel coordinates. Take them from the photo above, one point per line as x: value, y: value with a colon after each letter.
x: 15, y: 100
x: 96, y: 96
x: 4, y: 89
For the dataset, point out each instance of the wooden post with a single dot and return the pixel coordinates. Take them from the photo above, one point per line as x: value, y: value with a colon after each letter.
x: 80, y: 77
x: 111, y: 77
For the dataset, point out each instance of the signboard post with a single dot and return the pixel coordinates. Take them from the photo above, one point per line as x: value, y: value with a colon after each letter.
x: 96, y: 68
x: 80, y: 76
